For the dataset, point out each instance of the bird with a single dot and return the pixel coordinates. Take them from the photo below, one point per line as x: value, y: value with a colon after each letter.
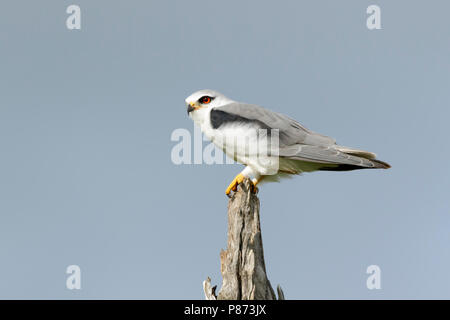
x: 235, y: 127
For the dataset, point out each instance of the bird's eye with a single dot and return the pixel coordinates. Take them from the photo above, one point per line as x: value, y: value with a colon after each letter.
x: 205, y: 100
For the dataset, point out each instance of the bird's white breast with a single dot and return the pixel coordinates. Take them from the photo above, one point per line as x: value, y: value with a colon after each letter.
x: 243, y: 142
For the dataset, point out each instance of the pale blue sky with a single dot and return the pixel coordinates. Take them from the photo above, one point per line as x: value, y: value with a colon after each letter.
x: 86, y: 117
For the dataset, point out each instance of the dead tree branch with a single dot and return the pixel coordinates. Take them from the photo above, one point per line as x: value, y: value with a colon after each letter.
x: 242, y: 263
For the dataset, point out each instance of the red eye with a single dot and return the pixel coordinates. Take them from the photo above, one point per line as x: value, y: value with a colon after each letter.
x: 205, y: 100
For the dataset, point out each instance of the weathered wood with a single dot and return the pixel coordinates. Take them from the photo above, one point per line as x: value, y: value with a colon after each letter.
x: 242, y: 263
x: 210, y: 292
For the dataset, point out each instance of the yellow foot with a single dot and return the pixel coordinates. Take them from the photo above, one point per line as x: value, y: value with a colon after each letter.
x: 233, y: 185
x: 237, y: 180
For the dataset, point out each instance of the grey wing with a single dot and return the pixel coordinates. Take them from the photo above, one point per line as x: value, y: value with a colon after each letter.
x: 299, y: 143
x: 290, y: 131
x: 331, y: 157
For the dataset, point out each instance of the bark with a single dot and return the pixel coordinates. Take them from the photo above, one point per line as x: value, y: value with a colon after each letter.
x: 242, y: 263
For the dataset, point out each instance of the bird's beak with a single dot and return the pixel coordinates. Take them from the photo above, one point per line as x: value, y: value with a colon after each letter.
x: 191, y: 107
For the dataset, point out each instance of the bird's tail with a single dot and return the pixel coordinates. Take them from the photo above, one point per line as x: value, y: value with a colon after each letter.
x: 381, y: 164
x: 365, y: 154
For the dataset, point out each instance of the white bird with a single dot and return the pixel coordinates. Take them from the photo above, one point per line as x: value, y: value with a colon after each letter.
x: 237, y: 128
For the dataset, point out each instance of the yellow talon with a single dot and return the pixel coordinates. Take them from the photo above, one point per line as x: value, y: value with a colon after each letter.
x: 233, y: 185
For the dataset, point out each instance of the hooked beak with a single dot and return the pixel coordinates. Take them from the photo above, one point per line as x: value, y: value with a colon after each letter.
x: 191, y: 107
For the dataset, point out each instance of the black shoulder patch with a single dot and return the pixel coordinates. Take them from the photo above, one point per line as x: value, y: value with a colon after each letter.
x: 219, y: 118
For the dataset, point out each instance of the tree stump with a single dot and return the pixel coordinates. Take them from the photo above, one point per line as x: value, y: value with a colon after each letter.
x: 242, y: 263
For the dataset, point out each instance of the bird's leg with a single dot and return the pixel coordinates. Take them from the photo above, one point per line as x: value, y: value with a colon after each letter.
x: 254, y: 187
x: 233, y: 185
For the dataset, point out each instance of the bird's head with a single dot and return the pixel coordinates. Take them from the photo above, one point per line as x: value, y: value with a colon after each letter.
x: 205, y: 100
